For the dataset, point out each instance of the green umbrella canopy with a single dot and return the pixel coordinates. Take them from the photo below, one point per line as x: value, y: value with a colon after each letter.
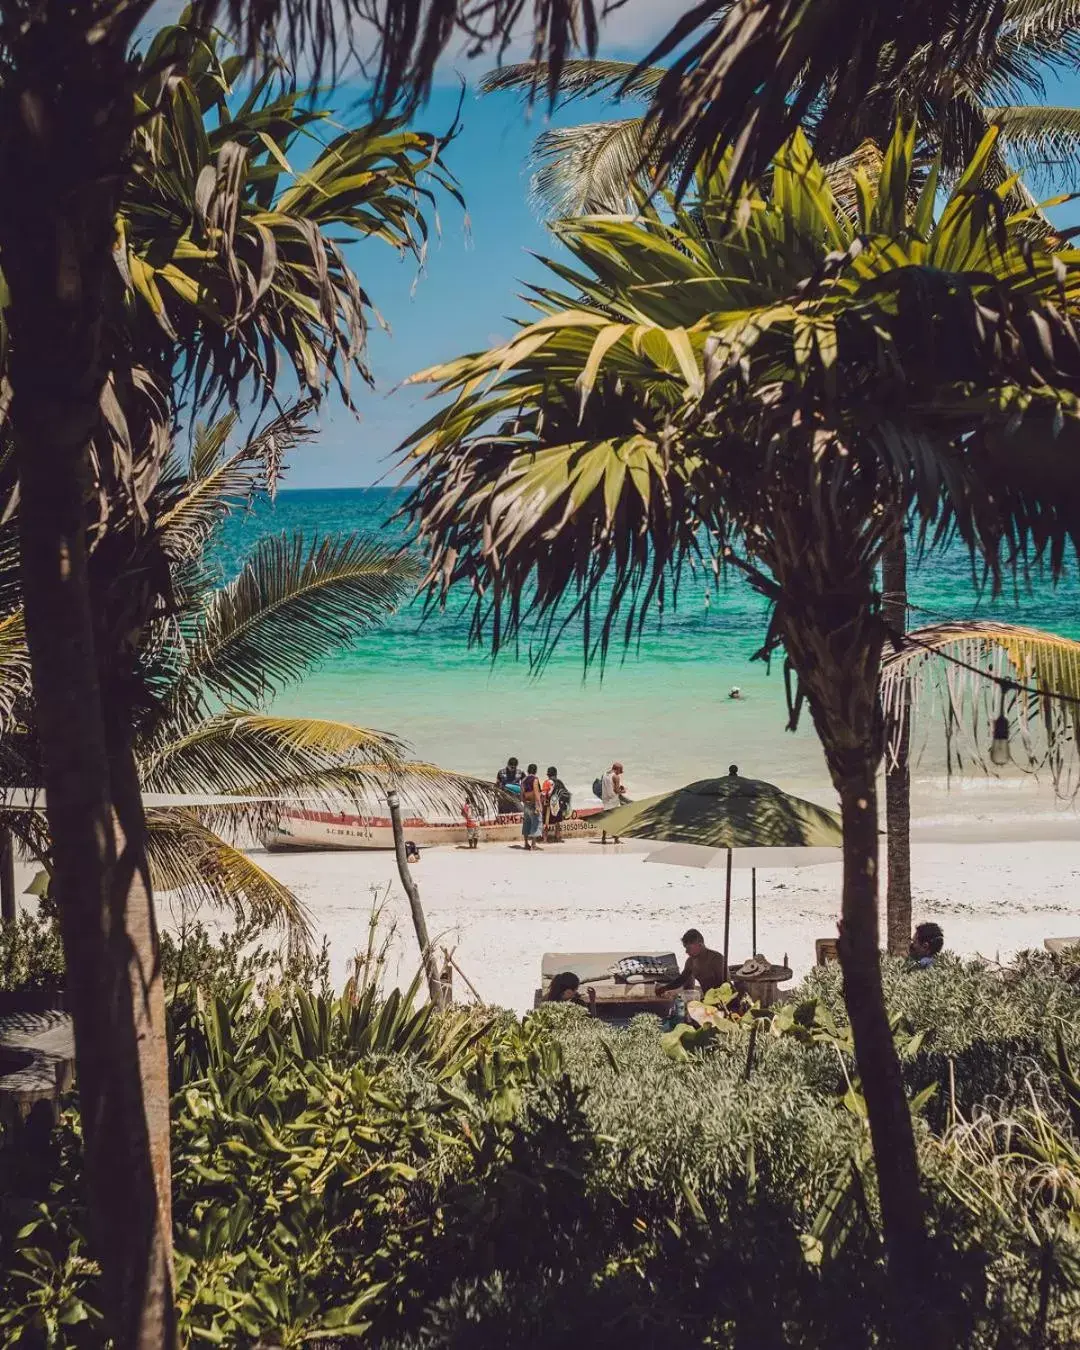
x: 728, y: 812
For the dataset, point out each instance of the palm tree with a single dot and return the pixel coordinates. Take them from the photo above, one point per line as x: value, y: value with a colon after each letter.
x: 210, y: 670
x: 605, y: 166
x: 229, y: 266
x: 773, y: 395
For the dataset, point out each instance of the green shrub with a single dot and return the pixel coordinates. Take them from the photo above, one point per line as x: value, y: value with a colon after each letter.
x: 362, y: 1168
x: 31, y: 954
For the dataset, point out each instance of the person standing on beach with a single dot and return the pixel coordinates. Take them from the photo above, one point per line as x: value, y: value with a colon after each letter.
x: 556, y: 805
x: 472, y: 825
x: 509, y: 778
x: 532, y: 802
x: 612, y: 794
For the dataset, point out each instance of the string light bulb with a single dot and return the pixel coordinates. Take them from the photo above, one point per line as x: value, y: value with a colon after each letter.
x: 999, y: 743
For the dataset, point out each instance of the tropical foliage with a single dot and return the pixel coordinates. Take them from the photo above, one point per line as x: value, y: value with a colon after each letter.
x: 603, y: 166
x: 602, y: 407
x: 363, y: 1168
x: 210, y: 667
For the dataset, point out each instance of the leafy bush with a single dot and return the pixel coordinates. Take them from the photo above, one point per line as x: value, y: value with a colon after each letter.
x: 31, y: 954
x: 363, y: 1168
x: 989, y: 1031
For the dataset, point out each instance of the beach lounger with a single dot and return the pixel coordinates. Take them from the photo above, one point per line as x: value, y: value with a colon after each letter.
x: 625, y: 982
x: 1059, y: 946
x: 825, y: 950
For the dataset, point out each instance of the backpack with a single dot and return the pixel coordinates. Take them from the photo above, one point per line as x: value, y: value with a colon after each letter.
x: 598, y: 787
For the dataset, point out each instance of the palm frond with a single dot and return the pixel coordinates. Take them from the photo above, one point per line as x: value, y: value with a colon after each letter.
x: 190, y: 862
x: 592, y: 168
x: 217, y: 484
x: 292, y: 604
x: 398, y: 43
x: 742, y: 84
x: 577, y: 79
x: 299, y: 760
x: 14, y: 664
x: 1038, y: 137
x: 651, y: 413
x: 950, y: 673
x: 232, y: 255
x: 254, y: 754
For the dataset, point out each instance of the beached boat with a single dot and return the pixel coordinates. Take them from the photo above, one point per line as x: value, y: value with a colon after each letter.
x: 303, y: 829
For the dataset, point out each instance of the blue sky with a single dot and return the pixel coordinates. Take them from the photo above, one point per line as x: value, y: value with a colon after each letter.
x: 475, y: 267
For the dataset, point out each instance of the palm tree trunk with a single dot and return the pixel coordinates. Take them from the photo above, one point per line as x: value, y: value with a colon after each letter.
x: 897, y: 765
x: 142, y: 1096
x: 8, y: 906
x: 834, y: 645
x: 67, y: 112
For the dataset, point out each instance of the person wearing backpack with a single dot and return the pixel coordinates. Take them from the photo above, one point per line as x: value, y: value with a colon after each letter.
x: 556, y: 805
x: 612, y: 793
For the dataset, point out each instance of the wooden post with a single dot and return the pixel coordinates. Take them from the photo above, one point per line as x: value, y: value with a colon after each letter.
x: 727, y: 915
x: 7, y: 877
x: 419, y: 922
x: 753, y: 911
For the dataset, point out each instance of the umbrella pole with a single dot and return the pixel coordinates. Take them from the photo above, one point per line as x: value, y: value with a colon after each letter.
x: 753, y: 909
x: 727, y: 911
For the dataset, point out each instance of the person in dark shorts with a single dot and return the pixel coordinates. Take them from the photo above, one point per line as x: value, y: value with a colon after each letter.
x: 532, y: 802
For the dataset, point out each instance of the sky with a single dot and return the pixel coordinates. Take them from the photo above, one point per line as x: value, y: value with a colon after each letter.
x: 469, y: 287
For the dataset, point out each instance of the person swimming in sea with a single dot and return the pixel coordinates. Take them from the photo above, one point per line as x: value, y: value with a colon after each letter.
x: 734, y: 692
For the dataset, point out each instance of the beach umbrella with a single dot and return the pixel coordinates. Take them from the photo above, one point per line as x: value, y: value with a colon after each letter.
x: 729, y: 814
x: 696, y: 855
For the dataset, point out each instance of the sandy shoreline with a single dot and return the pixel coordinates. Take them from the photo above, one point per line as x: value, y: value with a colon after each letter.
x: 503, y: 909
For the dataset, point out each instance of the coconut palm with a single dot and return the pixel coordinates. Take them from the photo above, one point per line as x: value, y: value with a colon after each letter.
x: 605, y: 166
x: 227, y: 271
x: 771, y: 396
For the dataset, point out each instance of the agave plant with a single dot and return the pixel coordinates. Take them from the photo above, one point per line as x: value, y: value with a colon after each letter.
x: 759, y: 381
x: 211, y: 667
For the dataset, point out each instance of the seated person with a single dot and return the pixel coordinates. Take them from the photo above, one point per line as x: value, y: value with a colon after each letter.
x: 704, y: 967
x: 926, y: 944
x: 412, y: 853
x: 565, y: 988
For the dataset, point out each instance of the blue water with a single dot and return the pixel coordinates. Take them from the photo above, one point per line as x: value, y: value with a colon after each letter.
x: 662, y: 707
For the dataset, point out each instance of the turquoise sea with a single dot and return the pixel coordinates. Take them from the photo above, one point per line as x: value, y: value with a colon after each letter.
x: 663, y: 708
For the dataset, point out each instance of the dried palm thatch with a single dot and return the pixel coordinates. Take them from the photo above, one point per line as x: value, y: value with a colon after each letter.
x: 952, y: 674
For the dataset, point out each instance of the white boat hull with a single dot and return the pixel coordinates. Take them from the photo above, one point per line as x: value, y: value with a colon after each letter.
x: 323, y: 830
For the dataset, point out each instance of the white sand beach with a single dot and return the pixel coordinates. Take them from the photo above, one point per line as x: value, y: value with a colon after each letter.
x: 502, y: 908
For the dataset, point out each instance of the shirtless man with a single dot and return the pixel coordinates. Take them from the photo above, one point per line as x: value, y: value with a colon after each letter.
x: 704, y: 967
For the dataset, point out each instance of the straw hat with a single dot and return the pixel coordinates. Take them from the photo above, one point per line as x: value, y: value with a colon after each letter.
x: 759, y: 967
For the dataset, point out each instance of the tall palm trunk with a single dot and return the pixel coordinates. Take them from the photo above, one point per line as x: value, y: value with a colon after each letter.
x: 65, y: 126
x: 835, y: 648
x: 897, y: 764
